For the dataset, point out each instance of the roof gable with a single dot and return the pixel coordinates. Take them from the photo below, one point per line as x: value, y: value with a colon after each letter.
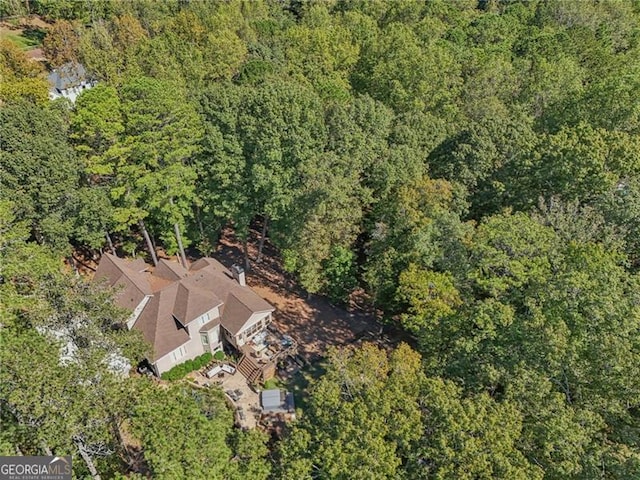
x: 179, y: 296
x: 124, y: 275
x: 158, y: 325
x: 240, y: 307
x: 192, y: 302
x: 235, y: 314
x: 205, y: 262
x: 170, y: 270
x: 240, y: 303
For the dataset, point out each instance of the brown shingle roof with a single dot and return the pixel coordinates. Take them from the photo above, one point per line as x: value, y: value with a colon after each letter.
x: 252, y: 300
x: 158, y: 325
x: 126, y: 276
x: 170, y: 270
x: 207, y: 262
x: 239, y: 308
x: 240, y: 303
x: 178, y: 294
x: 137, y: 264
x: 158, y: 283
x: 235, y: 314
x: 192, y: 302
x: 209, y: 325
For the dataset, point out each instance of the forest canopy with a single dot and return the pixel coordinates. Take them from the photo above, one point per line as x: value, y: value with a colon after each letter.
x: 473, y: 167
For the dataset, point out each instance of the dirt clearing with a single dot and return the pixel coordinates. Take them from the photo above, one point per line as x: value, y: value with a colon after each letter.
x: 312, y: 320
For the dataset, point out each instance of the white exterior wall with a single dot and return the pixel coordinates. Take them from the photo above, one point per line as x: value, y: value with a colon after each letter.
x: 214, y: 339
x: 192, y: 348
x: 195, y: 325
x: 243, y: 336
x: 187, y: 351
x: 71, y: 93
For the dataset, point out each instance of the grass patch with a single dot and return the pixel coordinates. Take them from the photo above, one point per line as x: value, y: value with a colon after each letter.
x: 25, y: 41
x: 34, y: 34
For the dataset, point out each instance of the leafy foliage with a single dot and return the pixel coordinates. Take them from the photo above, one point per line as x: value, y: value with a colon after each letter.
x: 21, y: 78
x: 341, y: 279
x: 39, y: 171
x: 182, y: 369
x: 473, y: 166
x: 360, y: 418
x: 71, y: 335
x: 183, y: 432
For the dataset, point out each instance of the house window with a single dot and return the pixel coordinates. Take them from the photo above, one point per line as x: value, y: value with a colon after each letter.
x: 203, y: 319
x: 252, y: 330
x: 178, y: 354
x: 205, y: 339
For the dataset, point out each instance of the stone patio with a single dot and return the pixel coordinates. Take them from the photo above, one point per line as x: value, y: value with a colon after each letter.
x: 246, y: 402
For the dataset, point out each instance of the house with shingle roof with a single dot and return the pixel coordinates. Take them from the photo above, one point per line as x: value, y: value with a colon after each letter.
x: 183, y: 312
x: 69, y: 81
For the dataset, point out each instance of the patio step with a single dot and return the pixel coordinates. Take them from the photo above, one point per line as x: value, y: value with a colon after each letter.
x: 249, y: 369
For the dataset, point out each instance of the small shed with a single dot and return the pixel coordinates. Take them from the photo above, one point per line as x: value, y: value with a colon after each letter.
x: 277, y: 401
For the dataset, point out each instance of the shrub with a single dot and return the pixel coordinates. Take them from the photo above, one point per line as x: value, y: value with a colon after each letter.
x: 219, y: 355
x: 202, y: 360
x: 271, y: 384
x: 181, y: 370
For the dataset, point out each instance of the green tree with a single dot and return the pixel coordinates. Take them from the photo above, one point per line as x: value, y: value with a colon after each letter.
x: 546, y: 310
x: 431, y: 297
x: 489, y: 159
x: 619, y: 208
x: 99, y: 54
x: 339, y: 269
x: 265, y: 136
x: 472, y: 437
x: 62, y: 326
x: 162, y: 131
x: 39, y: 170
x: 21, y: 78
x: 420, y: 224
x: 363, y: 416
x: 221, y: 166
x: 61, y: 44
x: 97, y: 126
x: 180, y: 438
x: 139, y: 147
x: 321, y: 50
x: 582, y: 162
x: 249, y: 461
x: 407, y: 73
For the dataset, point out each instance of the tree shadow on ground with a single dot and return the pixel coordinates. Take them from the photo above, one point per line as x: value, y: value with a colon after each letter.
x: 34, y: 35
x: 300, y: 382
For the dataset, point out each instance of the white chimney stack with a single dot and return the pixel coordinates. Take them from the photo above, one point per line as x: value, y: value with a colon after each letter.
x: 238, y: 273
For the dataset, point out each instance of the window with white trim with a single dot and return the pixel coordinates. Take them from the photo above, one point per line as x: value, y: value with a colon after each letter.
x: 205, y: 338
x: 203, y: 319
x: 178, y: 353
x: 252, y: 330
